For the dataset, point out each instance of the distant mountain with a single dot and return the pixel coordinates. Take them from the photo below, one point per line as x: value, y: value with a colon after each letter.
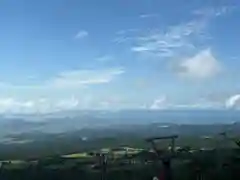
x: 125, y: 120
x: 36, y: 142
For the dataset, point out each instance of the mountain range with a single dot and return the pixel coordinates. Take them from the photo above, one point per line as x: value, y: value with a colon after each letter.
x: 71, y: 121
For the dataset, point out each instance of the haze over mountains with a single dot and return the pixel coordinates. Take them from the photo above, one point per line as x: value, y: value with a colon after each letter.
x: 73, y: 131
x: 69, y: 121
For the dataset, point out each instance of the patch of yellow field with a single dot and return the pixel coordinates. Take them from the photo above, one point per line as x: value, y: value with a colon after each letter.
x: 14, y: 161
x: 120, y: 152
x: 77, y: 155
x: 17, y: 162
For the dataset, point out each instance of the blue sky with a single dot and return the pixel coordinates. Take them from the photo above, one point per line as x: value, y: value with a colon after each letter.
x: 112, y: 54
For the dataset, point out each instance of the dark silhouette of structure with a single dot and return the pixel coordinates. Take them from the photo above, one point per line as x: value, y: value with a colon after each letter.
x: 166, y: 171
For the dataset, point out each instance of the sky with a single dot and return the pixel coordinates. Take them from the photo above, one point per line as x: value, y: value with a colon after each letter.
x: 119, y: 54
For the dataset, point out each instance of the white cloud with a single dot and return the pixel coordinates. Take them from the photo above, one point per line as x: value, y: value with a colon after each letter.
x: 140, y: 49
x: 201, y: 66
x: 105, y: 58
x: 81, y: 34
x: 105, y: 105
x: 121, y: 39
x: 148, y: 15
x: 48, y: 105
x: 77, y: 78
x: 159, y: 103
x: 125, y: 31
x: 233, y: 101
x: 214, y: 11
x: 68, y: 103
x: 73, y: 79
x: 162, y: 103
x: 61, y: 92
x: 12, y: 105
x: 9, y: 102
x: 125, y: 35
x: 199, y: 105
x: 172, y: 41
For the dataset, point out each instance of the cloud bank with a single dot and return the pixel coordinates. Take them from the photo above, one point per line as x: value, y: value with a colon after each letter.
x: 61, y: 92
